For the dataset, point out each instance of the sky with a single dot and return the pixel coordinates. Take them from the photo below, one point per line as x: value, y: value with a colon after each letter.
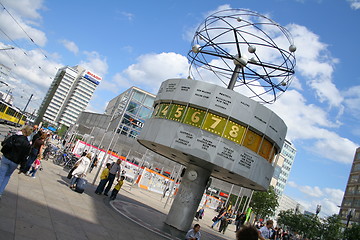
x: 142, y: 43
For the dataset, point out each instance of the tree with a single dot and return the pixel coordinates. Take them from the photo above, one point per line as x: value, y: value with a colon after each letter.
x: 306, y: 225
x: 62, y: 130
x: 264, y: 203
x: 332, y: 228
x: 353, y: 232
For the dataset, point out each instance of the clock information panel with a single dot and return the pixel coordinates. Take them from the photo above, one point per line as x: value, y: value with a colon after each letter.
x: 218, y: 125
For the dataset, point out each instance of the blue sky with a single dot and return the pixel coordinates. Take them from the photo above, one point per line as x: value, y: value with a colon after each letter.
x: 143, y: 43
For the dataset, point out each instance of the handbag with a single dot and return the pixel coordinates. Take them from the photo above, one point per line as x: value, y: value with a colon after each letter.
x: 214, y: 219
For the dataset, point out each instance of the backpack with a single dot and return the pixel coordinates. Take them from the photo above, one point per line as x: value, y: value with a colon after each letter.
x: 8, y: 144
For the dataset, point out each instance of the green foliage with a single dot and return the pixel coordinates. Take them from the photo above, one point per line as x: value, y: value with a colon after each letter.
x: 332, y: 228
x: 353, y: 232
x: 311, y: 227
x: 62, y: 130
x: 264, y: 203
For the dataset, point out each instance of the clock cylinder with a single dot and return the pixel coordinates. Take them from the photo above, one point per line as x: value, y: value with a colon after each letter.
x: 183, y: 209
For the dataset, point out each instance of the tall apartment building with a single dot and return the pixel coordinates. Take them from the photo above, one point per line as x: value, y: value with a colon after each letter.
x: 129, y: 110
x: 283, y: 167
x: 68, y: 95
x: 351, y: 199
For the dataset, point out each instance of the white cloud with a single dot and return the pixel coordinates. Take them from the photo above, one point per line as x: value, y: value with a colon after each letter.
x: 315, y: 64
x: 352, y: 100
x: 25, y: 8
x: 328, y: 198
x: 30, y: 72
x: 310, y: 122
x: 355, y: 4
x: 26, y: 14
x: 95, y: 63
x: 152, y: 69
x: 71, y: 46
x: 128, y: 15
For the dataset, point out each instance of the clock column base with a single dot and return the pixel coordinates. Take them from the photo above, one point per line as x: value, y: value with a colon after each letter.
x: 186, y: 202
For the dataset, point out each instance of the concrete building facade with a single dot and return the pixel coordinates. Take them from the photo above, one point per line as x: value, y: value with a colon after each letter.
x: 287, y: 203
x: 68, y: 95
x: 351, y: 199
x: 283, y: 167
x: 129, y: 110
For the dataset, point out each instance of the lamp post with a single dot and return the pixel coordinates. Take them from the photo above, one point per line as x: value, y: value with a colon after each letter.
x: 349, y: 216
x: 318, y: 209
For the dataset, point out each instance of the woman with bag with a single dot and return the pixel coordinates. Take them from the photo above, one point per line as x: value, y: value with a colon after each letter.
x: 82, y: 166
x: 15, y: 150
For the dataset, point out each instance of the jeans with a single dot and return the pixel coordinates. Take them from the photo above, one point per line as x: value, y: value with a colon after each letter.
x: 111, y: 179
x: 216, y: 222
x: 31, y: 159
x: 7, y: 167
x: 74, y: 180
x: 101, y: 186
x: 33, y: 171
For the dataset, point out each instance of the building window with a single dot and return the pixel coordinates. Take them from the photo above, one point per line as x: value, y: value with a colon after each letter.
x: 356, y: 167
x: 138, y: 96
x: 149, y: 101
x: 351, y: 190
x: 356, y: 203
x: 134, y: 134
x: 354, y: 178
x: 133, y: 107
x: 145, y: 112
x: 277, y: 172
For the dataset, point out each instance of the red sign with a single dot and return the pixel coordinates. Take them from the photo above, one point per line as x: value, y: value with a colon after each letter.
x: 93, y: 75
x: 224, y: 194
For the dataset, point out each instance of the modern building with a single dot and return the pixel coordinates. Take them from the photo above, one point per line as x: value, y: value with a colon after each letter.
x: 282, y: 167
x: 68, y: 95
x: 351, y: 200
x: 287, y: 203
x: 129, y: 110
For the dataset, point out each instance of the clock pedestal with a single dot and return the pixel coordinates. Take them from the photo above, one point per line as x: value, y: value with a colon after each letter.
x: 186, y: 202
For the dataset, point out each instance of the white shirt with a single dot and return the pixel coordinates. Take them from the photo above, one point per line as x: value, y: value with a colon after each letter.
x: 265, y: 232
x: 191, y: 234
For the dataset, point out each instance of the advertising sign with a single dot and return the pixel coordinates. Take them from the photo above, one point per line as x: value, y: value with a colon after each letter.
x: 92, y: 77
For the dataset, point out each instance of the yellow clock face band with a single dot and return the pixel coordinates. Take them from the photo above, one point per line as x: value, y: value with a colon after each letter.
x: 221, y: 126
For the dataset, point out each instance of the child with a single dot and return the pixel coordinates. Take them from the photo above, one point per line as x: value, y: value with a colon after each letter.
x: 34, y: 167
x: 103, y: 179
x: 117, y: 188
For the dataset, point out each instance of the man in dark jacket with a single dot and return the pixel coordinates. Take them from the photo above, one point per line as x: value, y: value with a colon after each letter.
x: 15, y: 150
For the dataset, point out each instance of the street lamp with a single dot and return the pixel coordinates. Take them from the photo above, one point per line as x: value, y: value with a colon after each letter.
x: 349, y: 216
x: 318, y: 209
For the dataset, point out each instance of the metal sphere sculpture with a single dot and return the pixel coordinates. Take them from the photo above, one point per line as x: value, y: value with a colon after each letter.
x: 246, y: 51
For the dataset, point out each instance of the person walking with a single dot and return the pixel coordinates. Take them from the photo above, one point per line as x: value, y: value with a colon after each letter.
x: 15, y: 150
x: 266, y: 231
x: 200, y: 213
x: 94, y: 163
x: 218, y: 217
x: 117, y: 188
x: 225, y: 220
x: 115, y: 170
x: 34, y: 167
x: 240, y: 220
x: 82, y: 166
x: 194, y: 233
x: 36, y: 149
x: 104, y: 177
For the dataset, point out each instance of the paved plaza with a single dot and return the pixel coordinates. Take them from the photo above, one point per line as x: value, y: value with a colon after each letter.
x: 45, y: 208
